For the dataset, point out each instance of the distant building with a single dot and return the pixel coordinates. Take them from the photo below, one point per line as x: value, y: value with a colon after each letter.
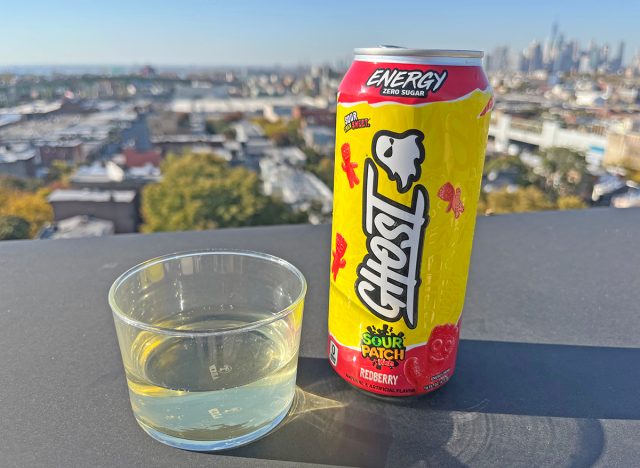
x: 617, y: 62
x: 275, y: 112
x: 290, y: 155
x: 117, y: 206
x: 320, y: 138
x: 246, y: 130
x: 180, y: 143
x: 594, y: 58
x: 507, y: 129
x: 295, y: 186
x: 257, y: 147
x: 109, y: 176
x: 523, y: 62
x: 98, y: 131
x: 231, y: 152
x: 623, y: 149
x: 69, y: 151
x: 313, y: 116
x: 136, y: 133
x: 584, y: 65
x: 199, y: 90
x: 194, y: 100
x: 9, y: 119
x: 530, y: 60
x: 630, y: 199
x: 77, y: 227
x: 628, y: 95
x: 536, y: 57
x: 148, y: 71
x: 18, y: 161
x: 133, y: 158
x: 497, y: 60
x: 606, y: 187
x: 36, y: 108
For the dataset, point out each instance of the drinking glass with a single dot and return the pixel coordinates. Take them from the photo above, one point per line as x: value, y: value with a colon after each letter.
x: 209, y: 342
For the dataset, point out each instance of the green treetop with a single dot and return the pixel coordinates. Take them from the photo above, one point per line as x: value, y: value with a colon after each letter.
x: 14, y: 227
x: 201, y: 191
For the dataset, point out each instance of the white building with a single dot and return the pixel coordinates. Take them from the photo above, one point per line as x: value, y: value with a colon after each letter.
x: 256, y: 105
x: 18, y: 160
x: 507, y: 129
x: 246, y: 130
x: 296, y: 187
x: 290, y: 155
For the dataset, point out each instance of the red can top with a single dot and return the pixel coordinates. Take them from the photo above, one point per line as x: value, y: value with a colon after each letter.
x: 412, y: 76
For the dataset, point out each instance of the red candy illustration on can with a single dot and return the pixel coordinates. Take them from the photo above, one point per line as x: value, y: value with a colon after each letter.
x: 440, y: 356
x: 338, y: 260
x: 449, y: 194
x: 348, y: 166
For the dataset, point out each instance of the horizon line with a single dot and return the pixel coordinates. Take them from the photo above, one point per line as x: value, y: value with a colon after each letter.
x: 158, y: 64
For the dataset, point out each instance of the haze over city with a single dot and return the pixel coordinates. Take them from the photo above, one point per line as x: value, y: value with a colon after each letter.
x: 202, y: 33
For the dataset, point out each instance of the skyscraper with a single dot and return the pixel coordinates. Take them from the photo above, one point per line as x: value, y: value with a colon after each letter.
x: 594, y: 57
x: 604, y: 56
x: 547, y: 56
x: 497, y: 60
x: 557, y: 54
x: 584, y: 65
x: 616, y: 64
x: 535, y: 56
x: 523, y: 61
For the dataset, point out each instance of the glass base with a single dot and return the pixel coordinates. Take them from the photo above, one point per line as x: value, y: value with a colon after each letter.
x: 214, y: 445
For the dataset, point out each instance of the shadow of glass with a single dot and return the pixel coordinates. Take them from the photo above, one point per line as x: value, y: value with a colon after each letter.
x: 529, y: 403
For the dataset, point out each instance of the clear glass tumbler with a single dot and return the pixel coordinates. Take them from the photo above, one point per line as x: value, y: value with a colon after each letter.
x: 209, y: 342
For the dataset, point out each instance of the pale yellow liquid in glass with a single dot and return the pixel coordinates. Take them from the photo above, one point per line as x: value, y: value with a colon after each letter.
x: 210, y: 388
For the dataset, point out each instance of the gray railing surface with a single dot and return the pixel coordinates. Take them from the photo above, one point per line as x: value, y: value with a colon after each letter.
x: 547, y: 368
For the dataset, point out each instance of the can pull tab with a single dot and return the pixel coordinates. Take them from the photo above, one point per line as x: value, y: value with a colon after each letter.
x: 388, y: 46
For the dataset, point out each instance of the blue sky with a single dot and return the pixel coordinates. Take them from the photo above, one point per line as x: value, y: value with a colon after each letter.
x: 211, y: 32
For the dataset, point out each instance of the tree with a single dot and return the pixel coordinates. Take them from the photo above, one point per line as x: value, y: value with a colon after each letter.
x: 633, y: 175
x: 565, y: 172
x: 230, y: 133
x: 524, y: 175
x: 12, y: 183
x: 32, y: 207
x: 224, y: 125
x: 60, y: 171
x: 482, y: 205
x: 282, y: 132
x: 521, y: 200
x: 324, y: 171
x: 571, y: 202
x: 215, y: 126
x: 320, y: 165
x: 201, y: 191
x: 13, y: 227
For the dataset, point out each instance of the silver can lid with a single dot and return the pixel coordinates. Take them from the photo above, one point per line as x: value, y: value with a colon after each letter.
x: 395, y: 54
x: 397, y: 51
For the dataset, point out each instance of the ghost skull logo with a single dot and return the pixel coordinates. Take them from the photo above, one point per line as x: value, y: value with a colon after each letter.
x: 400, y: 155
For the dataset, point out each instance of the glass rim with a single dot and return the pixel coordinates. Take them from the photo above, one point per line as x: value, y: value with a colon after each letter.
x: 119, y: 281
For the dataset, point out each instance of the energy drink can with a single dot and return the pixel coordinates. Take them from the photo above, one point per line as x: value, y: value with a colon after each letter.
x: 410, y: 144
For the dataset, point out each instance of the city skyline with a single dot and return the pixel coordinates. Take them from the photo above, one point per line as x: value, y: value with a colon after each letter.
x: 196, y: 33
x: 558, y: 53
